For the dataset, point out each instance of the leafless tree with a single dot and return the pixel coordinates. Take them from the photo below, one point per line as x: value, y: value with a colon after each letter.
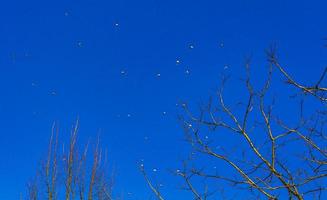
x: 255, y: 147
x: 65, y: 175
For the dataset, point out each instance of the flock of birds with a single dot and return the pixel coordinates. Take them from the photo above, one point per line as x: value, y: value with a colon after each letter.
x: 124, y: 72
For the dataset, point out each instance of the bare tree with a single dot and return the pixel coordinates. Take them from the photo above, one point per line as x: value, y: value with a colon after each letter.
x: 255, y: 148
x: 65, y: 175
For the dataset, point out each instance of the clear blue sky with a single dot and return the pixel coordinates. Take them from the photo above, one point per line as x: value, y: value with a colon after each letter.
x: 63, y: 59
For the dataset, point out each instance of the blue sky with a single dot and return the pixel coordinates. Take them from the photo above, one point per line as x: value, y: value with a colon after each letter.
x: 60, y: 60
